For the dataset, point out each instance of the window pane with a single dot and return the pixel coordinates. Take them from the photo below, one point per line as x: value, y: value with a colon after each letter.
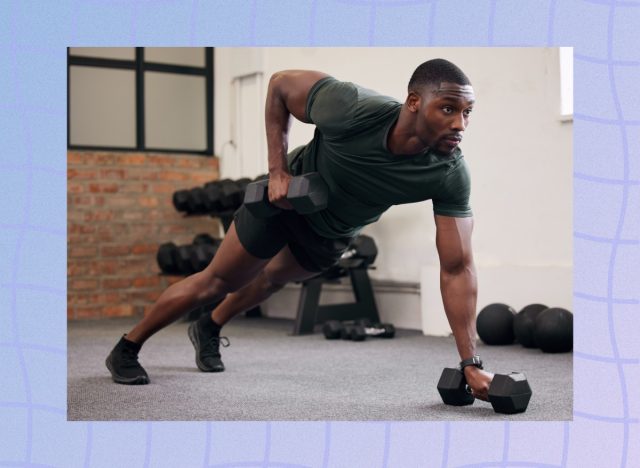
x: 119, y: 53
x: 175, y: 111
x: 190, y: 56
x: 102, y: 107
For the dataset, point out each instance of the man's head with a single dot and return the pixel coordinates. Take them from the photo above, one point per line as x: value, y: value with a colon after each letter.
x: 441, y: 97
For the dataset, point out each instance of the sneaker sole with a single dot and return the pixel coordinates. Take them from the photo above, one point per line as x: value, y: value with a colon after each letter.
x: 196, y: 344
x: 140, y: 380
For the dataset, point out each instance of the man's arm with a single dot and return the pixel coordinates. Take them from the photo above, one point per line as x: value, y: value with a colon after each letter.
x: 286, y: 96
x: 459, y: 288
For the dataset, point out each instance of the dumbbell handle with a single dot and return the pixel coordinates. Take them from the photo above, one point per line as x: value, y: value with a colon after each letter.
x: 304, y: 199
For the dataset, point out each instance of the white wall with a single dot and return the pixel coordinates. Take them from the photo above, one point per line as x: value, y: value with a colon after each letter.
x: 518, y: 150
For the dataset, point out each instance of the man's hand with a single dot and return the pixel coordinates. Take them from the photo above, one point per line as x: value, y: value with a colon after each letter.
x: 278, y: 188
x: 479, y: 382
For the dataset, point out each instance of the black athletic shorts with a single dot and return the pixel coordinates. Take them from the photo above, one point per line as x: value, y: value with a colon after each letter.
x: 265, y: 237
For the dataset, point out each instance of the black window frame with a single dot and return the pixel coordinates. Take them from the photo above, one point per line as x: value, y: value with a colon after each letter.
x: 140, y: 67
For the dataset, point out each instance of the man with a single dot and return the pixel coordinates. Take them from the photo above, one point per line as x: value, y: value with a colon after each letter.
x: 372, y: 152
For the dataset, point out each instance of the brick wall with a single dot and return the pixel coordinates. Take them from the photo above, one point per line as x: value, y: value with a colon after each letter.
x: 119, y: 211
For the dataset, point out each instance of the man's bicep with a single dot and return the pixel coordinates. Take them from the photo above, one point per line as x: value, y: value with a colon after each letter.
x: 453, y: 240
x: 294, y: 87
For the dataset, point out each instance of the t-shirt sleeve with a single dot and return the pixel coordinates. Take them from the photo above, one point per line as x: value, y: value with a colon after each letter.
x: 453, y: 197
x: 331, y: 104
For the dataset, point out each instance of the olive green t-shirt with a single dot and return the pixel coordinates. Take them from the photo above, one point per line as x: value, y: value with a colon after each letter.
x: 349, y: 149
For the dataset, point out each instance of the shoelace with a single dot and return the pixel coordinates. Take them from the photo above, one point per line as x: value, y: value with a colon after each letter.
x: 210, y: 347
x: 129, y: 358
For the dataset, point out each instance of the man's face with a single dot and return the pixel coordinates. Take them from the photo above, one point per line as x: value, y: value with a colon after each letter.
x: 443, y: 115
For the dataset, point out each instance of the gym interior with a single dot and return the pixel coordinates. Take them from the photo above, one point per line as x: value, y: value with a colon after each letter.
x: 162, y: 145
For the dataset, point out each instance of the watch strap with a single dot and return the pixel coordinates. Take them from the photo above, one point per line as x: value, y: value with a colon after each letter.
x: 472, y: 361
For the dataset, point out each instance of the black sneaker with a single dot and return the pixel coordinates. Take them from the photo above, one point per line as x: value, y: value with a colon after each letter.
x: 207, y: 347
x: 123, y: 364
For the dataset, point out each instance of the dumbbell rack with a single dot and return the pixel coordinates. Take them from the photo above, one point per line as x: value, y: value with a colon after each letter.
x: 311, y: 313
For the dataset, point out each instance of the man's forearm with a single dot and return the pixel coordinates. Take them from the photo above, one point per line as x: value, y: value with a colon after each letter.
x: 459, y: 290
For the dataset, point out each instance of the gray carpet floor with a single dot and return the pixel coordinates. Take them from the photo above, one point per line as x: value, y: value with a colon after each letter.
x: 271, y: 375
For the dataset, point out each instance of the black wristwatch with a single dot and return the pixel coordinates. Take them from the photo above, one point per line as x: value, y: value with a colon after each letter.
x: 474, y: 361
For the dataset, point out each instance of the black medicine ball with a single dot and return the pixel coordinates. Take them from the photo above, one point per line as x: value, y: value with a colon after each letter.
x: 495, y: 324
x: 524, y: 322
x: 553, y: 331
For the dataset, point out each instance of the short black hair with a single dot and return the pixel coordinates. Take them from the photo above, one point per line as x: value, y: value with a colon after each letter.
x: 434, y: 72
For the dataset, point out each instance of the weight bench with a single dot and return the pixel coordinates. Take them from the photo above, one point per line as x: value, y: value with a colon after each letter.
x: 310, y: 313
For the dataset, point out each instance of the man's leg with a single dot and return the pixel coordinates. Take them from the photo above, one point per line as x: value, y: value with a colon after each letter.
x: 231, y: 269
x: 282, y: 269
x: 205, y: 333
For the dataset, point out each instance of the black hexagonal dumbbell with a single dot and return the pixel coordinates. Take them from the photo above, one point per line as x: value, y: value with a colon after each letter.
x: 233, y: 194
x: 201, y: 255
x: 187, y: 259
x: 508, y: 393
x: 453, y: 388
x: 361, y: 253
x: 214, y: 197
x: 308, y: 193
x: 334, y: 329
x: 357, y: 330
x: 203, y: 250
x: 166, y: 258
x: 366, y: 329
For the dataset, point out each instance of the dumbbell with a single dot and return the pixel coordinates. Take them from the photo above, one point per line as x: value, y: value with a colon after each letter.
x: 166, y: 258
x: 203, y: 249
x: 201, y: 255
x: 361, y: 253
x: 334, y: 329
x: 222, y: 195
x: 216, y: 196
x: 376, y: 330
x: 358, y: 330
x: 508, y: 393
x: 187, y: 259
x: 180, y: 200
x: 232, y: 194
x: 307, y: 194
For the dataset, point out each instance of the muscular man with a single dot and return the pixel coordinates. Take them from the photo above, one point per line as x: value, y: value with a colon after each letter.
x: 373, y: 152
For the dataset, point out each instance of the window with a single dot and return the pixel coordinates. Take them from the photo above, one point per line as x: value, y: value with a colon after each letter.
x: 140, y: 99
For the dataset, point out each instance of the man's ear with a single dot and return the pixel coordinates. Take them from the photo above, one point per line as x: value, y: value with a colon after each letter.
x: 413, y: 101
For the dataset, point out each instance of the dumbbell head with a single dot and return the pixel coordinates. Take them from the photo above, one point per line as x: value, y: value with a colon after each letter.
x: 166, y: 258
x: 231, y: 195
x: 201, y: 255
x: 196, y: 201
x: 243, y: 182
x: 357, y: 333
x: 361, y: 253
x: 212, y: 194
x: 256, y: 199
x: 388, y: 330
x: 183, y: 259
x: 345, y: 331
x: 453, y: 388
x: 365, y: 248
x: 331, y: 329
x: 179, y: 199
x: 308, y: 193
x: 509, y: 393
